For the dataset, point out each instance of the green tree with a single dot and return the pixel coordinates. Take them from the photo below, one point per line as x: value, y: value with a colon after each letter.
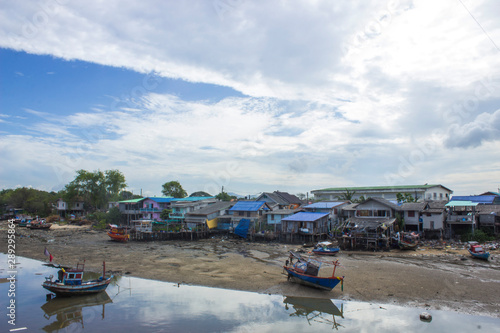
x: 165, y: 214
x: 200, y: 194
x: 405, y: 197
x: 347, y: 195
x: 115, y: 182
x: 95, y: 188
x: 174, y: 189
x: 223, y: 196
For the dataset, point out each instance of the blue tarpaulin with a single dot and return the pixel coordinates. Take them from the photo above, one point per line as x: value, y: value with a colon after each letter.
x: 242, y: 228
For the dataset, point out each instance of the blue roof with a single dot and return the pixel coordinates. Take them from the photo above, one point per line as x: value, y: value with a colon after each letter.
x: 475, y: 198
x: 304, y: 216
x: 160, y: 199
x: 248, y: 206
x: 325, y: 204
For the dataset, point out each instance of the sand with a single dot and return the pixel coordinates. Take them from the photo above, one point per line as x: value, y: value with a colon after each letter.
x: 445, y: 279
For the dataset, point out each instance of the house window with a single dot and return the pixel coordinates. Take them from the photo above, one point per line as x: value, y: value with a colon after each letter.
x: 411, y: 213
x: 380, y: 213
x: 248, y: 214
x: 335, y: 211
x: 241, y: 213
x: 435, y: 195
x: 432, y: 225
x: 272, y: 217
x: 440, y: 195
x: 364, y: 213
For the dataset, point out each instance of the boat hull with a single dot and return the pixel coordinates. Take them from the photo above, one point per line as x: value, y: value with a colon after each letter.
x: 85, y: 288
x: 326, y: 252
x: 483, y: 256
x: 324, y: 283
x: 119, y: 237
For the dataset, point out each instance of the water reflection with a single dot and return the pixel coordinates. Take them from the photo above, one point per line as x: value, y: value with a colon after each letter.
x: 314, y: 309
x: 68, y: 310
x: 139, y: 305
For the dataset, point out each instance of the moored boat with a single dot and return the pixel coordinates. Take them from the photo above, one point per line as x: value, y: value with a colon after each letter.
x: 325, y: 248
x: 119, y: 234
x: 477, y: 251
x: 70, y: 282
x: 306, y: 271
x: 39, y: 224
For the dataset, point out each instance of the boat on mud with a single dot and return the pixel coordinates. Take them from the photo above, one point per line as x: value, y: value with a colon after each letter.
x: 306, y: 271
x: 70, y: 282
x: 119, y: 234
x: 326, y: 249
x: 477, y: 251
x: 39, y: 224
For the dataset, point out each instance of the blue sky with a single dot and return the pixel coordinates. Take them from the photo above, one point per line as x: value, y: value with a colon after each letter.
x: 252, y: 96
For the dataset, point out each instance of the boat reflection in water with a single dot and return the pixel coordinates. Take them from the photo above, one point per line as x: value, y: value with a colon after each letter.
x: 315, y: 309
x: 68, y: 310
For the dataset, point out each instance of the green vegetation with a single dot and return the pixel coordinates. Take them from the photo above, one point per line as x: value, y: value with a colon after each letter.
x: 405, y: 197
x: 479, y: 235
x: 173, y: 189
x: 29, y: 200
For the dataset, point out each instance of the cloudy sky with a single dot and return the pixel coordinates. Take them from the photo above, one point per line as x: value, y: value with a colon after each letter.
x: 251, y: 95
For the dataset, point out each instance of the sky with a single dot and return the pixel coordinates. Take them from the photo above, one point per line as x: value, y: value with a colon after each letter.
x: 252, y: 96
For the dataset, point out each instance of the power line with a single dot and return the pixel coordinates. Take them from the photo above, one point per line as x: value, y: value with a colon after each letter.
x: 479, y: 24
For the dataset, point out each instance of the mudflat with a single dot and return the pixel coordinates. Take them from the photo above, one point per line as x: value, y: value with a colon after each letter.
x: 446, y: 278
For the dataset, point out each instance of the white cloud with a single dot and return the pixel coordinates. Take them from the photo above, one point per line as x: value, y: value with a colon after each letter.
x: 340, y: 92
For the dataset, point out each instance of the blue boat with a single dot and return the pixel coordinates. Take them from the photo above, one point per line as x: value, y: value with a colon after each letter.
x: 477, y: 251
x: 306, y: 272
x: 325, y: 249
x: 70, y: 282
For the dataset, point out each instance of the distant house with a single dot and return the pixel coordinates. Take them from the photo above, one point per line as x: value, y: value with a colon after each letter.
x: 251, y: 210
x: 489, y: 217
x: 152, y: 207
x: 182, y: 206
x: 428, y: 217
x: 462, y: 211
x: 280, y: 200
x: 275, y: 216
x: 432, y: 192
x: 372, y: 225
x: 333, y: 208
x: 208, y: 215
x: 305, y: 227
x: 64, y: 210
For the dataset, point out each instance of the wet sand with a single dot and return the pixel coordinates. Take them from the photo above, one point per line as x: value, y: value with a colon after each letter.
x: 444, y: 279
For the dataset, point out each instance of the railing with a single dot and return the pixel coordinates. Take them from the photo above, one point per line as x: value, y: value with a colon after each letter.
x: 466, y: 219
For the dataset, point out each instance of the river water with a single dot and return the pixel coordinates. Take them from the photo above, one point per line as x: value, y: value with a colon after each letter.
x: 138, y: 305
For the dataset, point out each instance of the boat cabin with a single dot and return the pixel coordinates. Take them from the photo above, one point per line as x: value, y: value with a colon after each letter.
x: 72, y: 277
x: 476, y: 249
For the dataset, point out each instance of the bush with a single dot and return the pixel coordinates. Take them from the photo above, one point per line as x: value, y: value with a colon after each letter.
x: 479, y: 236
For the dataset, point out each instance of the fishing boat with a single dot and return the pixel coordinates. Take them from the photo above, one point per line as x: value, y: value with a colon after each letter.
x: 408, y: 241
x: 325, y: 249
x: 70, y: 282
x: 119, y: 234
x: 306, y: 271
x: 39, y: 224
x: 477, y: 251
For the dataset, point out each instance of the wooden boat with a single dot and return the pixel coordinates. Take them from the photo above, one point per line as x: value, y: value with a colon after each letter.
x: 39, y: 225
x: 119, y: 234
x: 325, y: 249
x: 477, y: 251
x: 70, y: 282
x: 408, y: 241
x: 306, y: 271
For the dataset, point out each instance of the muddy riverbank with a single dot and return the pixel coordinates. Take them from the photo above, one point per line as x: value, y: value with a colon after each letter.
x: 443, y: 278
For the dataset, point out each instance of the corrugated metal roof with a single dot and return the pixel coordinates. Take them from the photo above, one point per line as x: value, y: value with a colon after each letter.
x: 464, y: 203
x: 161, y: 199
x: 475, y: 198
x: 325, y: 204
x: 304, y: 216
x: 131, y: 200
x: 248, y: 206
x: 367, y: 188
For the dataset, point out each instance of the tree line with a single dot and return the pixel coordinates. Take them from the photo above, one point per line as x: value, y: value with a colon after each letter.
x: 94, y: 188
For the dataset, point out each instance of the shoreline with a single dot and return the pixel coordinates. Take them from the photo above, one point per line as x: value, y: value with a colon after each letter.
x: 433, y: 279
